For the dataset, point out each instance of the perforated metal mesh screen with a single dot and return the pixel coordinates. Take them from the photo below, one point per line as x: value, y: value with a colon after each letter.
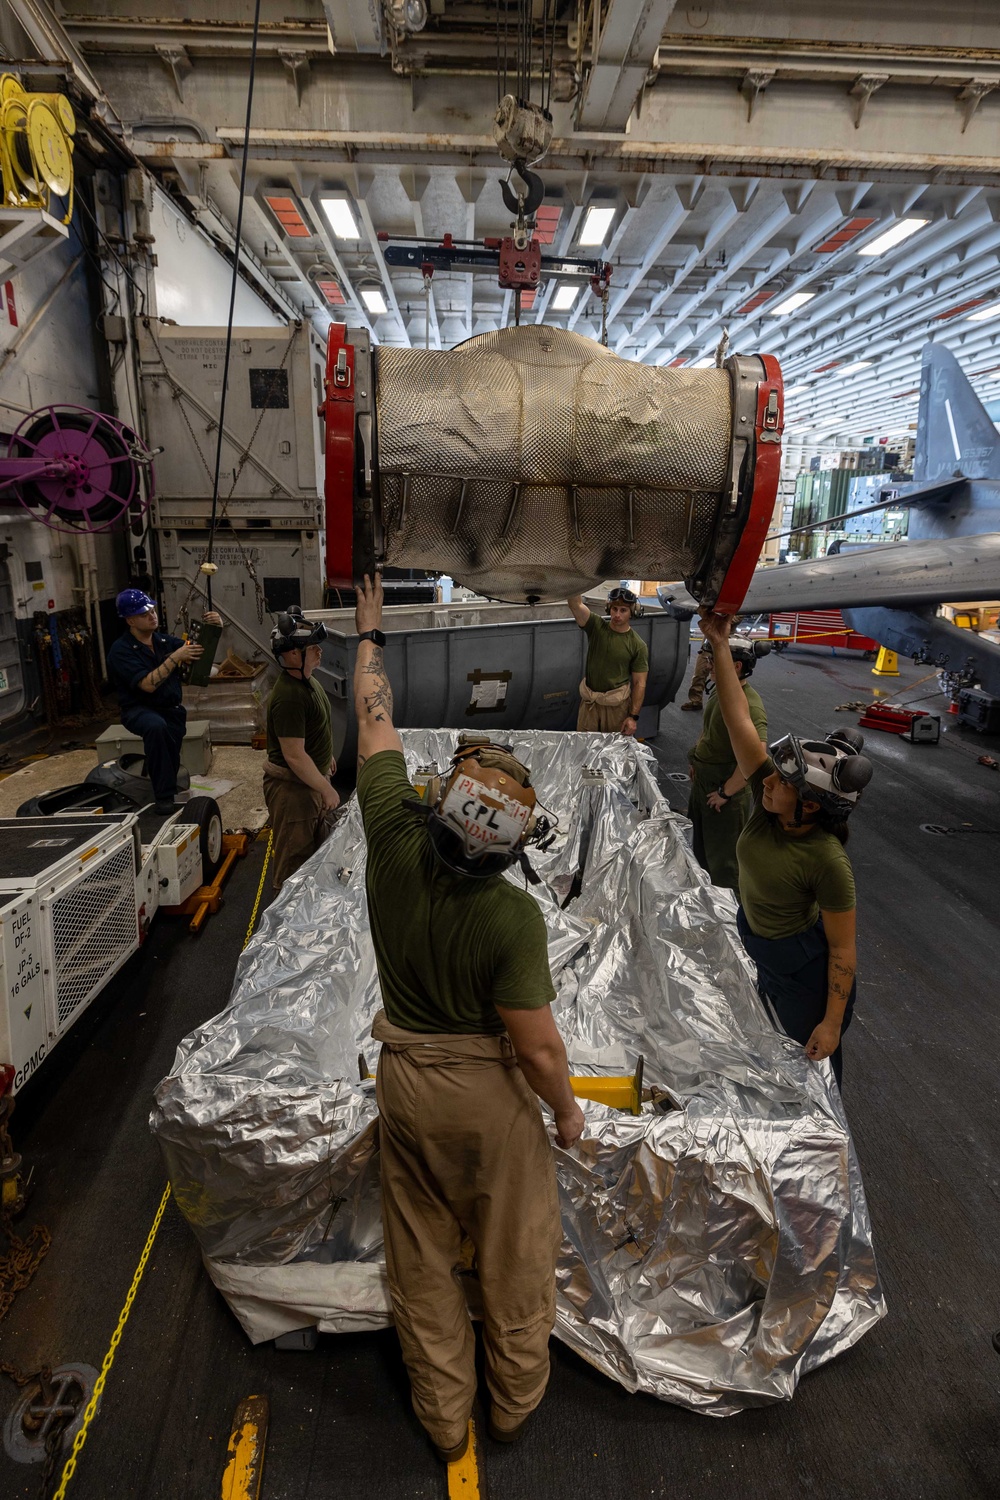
x: 93, y: 929
x: 532, y: 462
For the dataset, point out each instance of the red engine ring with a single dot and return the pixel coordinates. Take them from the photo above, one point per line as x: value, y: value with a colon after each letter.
x: 338, y: 412
x: 768, y: 427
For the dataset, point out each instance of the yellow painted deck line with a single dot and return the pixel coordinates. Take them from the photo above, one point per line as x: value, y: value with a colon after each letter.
x: 463, y: 1477
x: 245, y: 1458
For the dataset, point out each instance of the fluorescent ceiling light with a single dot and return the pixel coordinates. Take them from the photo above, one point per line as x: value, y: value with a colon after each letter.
x: 791, y: 304
x: 341, y: 219
x: 564, y: 298
x: 596, y: 225
x: 373, y: 299
x: 704, y: 364
x: 859, y: 364
x: 991, y: 310
x: 894, y: 235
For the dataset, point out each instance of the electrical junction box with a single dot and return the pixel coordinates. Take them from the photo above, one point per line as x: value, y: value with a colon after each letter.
x: 178, y: 863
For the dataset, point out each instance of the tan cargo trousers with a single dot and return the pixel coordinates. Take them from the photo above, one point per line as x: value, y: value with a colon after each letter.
x: 299, y: 820
x: 605, y: 712
x: 464, y: 1151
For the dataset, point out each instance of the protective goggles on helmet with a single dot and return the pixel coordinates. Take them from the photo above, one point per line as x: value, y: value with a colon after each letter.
x: 294, y: 633
x: 622, y: 596
x: 831, y: 772
x: 482, y: 814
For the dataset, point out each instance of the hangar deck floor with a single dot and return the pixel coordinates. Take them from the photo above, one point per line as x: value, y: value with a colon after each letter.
x: 910, y: 1412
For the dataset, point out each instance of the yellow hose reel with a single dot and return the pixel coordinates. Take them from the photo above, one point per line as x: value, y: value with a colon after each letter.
x: 36, y: 148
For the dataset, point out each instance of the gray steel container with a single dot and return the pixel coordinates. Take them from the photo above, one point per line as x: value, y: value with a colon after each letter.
x: 488, y: 667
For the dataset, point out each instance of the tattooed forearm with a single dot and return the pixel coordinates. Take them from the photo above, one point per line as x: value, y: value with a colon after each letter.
x: 379, y: 702
x: 839, y: 979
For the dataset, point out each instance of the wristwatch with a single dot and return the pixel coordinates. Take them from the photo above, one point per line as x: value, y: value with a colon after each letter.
x: 720, y: 791
x: 377, y: 636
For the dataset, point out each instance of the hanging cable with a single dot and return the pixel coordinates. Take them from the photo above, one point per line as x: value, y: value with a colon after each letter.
x: 208, y: 565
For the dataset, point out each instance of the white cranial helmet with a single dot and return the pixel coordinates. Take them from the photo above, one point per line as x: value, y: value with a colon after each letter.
x: 831, y: 772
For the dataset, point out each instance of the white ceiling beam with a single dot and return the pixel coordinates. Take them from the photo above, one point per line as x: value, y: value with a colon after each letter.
x: 674, y: 216
x: 778, y: 216
x: 364, y: 178
x: 721, y: 225
x: 624, y: 42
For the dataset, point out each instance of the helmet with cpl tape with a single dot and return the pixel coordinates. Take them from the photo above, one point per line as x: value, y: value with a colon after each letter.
x: 832, y: 771
x: 293, y: 632
x: 482, y: 812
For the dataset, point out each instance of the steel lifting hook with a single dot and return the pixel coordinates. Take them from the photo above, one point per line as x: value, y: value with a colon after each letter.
x: 534, y: 190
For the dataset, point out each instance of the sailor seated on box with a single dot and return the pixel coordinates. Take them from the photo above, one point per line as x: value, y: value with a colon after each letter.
x: 144, y: 666
x: 614, y: 683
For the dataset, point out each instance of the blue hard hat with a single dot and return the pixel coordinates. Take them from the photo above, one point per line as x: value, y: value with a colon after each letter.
x: 133, y: 602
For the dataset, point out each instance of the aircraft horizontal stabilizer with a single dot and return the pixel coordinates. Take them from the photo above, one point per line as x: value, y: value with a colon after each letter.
x: 900, y: 575
x: 937, y: 641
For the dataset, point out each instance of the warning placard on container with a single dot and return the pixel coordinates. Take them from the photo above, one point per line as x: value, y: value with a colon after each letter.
x: 489, y: 692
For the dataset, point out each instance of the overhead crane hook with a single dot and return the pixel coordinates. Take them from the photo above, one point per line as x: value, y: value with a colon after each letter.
x: 523, y: 205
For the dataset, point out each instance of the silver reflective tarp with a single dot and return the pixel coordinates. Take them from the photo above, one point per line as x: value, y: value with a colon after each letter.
x: 713, y: 1253
x: 531, y: 462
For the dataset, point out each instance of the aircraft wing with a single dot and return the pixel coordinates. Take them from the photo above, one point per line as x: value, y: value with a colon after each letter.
x: 900, y: 575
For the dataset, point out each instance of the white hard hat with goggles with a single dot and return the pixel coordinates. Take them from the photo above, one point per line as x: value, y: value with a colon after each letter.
x: 831, y: 771
x: 483, y: 812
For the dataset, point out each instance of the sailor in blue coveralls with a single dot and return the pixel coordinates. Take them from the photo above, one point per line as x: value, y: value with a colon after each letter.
x: 143, y: 665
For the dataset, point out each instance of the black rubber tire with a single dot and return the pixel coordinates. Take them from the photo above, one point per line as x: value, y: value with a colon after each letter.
x: 205, y: 812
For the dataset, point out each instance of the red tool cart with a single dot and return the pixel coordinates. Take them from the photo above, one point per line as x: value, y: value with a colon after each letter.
x: 818, y: 627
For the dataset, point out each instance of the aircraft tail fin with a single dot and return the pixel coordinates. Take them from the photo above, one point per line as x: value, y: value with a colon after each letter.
x: 955, y: 433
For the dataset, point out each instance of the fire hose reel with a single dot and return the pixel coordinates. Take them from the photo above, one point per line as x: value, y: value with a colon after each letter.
x: 531, y: 463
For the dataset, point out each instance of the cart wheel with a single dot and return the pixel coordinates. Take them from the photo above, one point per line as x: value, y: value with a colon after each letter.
x: 205, y: 812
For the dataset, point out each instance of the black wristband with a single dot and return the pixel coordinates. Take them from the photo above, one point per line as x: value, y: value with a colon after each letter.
x: 720, y: 791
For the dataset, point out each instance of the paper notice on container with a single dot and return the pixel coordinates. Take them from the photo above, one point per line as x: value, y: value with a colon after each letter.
x: 489, y: 692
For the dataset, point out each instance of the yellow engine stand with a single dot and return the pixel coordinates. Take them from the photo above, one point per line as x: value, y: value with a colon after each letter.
x: 616, y: 1092
x: 887, y: 663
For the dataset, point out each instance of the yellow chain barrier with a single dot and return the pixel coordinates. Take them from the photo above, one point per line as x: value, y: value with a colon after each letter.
x: 69, y: 1468
x: 109, y: 1358
x: 260, y: 888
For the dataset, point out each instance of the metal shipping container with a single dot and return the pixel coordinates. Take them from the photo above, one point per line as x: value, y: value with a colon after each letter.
x: 490, y: 667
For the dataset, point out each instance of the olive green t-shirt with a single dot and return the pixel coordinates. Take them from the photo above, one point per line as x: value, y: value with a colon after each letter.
x: 300, y: 711
x: 449, y: 948
x: 612, y: 656
x: 785, y: 881
x: 712, y: 757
